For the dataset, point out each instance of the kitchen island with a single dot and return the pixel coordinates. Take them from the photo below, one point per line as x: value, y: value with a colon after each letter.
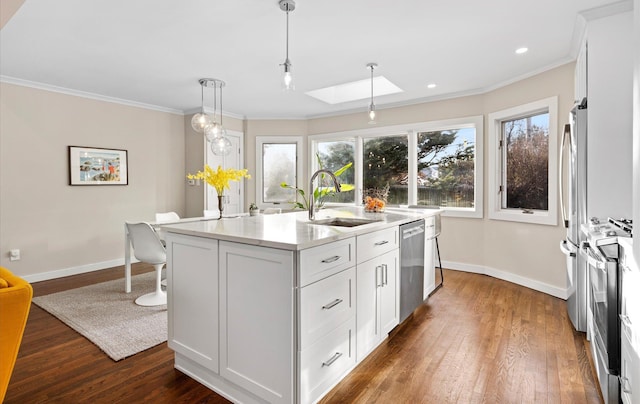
x: 276, y: 308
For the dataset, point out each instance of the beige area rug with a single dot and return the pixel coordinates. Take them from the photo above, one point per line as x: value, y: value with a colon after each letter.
x: 109, y: 317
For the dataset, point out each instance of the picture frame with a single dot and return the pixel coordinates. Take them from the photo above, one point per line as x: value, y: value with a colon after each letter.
x: 98, y: 166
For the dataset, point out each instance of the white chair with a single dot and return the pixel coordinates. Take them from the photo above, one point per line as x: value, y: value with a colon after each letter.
x: 272, y: 211
x: 167, y: 217
x: 148, y: 248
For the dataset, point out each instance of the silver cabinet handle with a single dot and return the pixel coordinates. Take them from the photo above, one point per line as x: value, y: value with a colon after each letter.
x: 330, y: 259
x: 378, y: 278
x: 333, y: 359
x: 383, y: 242
x: 385, y: 280
x: 332, y: 304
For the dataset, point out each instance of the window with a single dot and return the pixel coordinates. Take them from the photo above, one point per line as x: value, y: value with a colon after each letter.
x: 278, y: 162
x: 523, y: 166
x: 333, y: 155
x: 446, y: 157
x: 446, y: 168
x: 386, y: 164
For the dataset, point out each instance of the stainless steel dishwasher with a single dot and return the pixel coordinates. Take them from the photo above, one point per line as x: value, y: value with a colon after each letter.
x: 411, y: 267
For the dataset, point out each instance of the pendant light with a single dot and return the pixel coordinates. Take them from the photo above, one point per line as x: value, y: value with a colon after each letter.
x: 200, y: 121
x: 287, y: 79
x: 372, y: 106
x: 215, y: 129
x: 220, y: 144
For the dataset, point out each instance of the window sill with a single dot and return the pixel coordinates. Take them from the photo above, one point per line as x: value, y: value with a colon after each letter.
x: 517, y: 215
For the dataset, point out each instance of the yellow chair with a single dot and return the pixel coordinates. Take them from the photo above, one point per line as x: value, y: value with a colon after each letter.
x: 15, y: 302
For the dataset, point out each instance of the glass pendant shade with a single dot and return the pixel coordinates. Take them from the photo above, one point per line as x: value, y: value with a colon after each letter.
x: 287, y: 79
x: 214, y: 131
x: 372, y: 114
x: 200, y: 122
x: 221, y: 146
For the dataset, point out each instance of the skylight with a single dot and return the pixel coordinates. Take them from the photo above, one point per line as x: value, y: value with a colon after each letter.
x: 356, y: 90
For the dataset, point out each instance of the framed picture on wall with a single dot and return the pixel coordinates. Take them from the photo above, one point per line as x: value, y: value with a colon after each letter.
x: 97, y: 166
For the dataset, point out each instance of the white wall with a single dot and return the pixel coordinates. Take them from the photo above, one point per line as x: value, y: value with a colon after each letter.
x: 73, y: 229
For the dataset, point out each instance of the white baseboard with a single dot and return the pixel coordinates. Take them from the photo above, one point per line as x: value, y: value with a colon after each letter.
x: 509, y: 277
x: 61, y: 273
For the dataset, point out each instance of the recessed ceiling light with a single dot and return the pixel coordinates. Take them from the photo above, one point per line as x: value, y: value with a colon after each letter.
x: 357, y: 90
x: 431, y: 85
x: 520, y: 51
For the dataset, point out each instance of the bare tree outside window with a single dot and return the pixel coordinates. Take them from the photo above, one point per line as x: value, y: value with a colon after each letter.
x: 525, y: 148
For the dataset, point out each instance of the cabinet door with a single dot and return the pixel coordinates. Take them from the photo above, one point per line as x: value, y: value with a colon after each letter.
x: 429, y: 267
x: 368, y: 327
x: 257, y: 347
x: 389, y: 303
x: 192, y: 281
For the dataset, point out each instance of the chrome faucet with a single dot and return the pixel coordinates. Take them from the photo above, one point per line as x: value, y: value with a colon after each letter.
x: 311, y: 198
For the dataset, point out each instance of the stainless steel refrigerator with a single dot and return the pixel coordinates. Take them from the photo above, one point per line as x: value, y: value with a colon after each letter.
x: 573, y: 183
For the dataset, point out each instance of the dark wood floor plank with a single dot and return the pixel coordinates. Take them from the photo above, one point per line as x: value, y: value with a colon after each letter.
x: 476, y: 340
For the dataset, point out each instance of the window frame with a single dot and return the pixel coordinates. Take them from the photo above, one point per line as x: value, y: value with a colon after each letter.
x: 262, y: 140
x: 497, y: 156
x: 411, y: 130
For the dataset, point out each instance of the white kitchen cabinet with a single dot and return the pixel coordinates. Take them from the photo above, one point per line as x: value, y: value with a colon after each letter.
x: 629, y: 366
x: 324, y: 260
x: 327, y: 333
x: 193, y: 333
x: 257, y: 329
x: 326, y: 304
x: 429, y: 256
x: 377, y: 300
x: 609, y: 116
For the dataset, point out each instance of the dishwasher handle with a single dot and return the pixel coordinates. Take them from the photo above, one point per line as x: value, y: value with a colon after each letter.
x: 413, y: 231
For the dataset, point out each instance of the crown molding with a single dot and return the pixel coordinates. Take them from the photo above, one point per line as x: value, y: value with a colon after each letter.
x: 84, y: 94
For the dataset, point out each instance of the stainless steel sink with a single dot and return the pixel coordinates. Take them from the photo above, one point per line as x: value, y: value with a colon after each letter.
x: 343, y: 221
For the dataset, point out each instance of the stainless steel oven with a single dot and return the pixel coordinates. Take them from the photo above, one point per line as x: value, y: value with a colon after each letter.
x: 602, y: 261
x: 604, y: 273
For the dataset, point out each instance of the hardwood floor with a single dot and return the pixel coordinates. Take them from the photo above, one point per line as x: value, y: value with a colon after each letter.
x: 477, y: 339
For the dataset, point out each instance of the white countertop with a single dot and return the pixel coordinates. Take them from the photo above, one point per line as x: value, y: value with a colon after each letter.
x: 294, y: 231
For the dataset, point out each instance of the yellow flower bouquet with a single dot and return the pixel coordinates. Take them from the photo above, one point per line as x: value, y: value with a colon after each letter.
x: 219, y: 179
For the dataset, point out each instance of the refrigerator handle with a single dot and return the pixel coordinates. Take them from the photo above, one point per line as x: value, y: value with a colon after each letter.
x: 566, y: 134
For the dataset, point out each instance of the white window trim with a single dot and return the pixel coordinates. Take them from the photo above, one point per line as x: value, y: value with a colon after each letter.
x: 411, y: 129
x: 260, y: 141
x: 495, y: 211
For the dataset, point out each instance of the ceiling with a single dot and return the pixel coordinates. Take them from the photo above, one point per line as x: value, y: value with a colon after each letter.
x: 152, y: 52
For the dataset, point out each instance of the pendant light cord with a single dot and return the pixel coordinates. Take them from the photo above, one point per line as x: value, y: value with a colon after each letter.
x: 202, y: 98
x: 287, y: 47
x: 371, y: 84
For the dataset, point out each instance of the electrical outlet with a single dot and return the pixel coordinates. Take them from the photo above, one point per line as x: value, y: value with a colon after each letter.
x: 14, y: 254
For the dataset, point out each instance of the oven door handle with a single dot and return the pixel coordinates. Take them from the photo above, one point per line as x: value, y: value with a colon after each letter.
x: 594, y: 261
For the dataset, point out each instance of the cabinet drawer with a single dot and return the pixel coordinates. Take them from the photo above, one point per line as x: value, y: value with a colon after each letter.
x: 377, y: 243
x: 320, y: 262
x: 323, y: 364
x: 326, y: 304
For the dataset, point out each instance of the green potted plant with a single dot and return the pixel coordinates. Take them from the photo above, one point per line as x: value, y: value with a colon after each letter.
x: 253, y: 209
